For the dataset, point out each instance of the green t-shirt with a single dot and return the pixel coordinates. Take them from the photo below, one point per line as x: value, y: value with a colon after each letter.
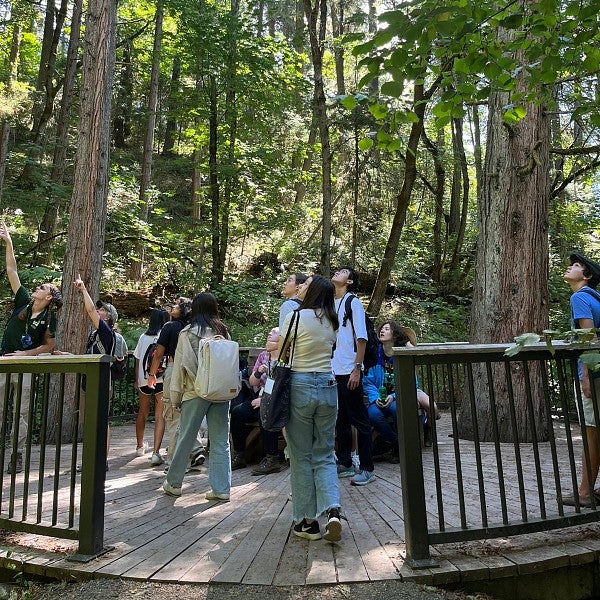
x: 17, y: 328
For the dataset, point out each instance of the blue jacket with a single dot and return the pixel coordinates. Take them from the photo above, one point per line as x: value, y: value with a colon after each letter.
x: 373, y: 380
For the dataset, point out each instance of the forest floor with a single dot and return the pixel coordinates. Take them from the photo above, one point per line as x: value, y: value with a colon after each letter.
x: 107, y: 589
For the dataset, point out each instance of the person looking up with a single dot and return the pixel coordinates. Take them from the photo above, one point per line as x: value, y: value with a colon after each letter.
x: 289, y: 292
x: 30, y: 331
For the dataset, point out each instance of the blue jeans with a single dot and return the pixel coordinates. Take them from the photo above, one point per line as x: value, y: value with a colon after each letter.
x: 311, y: 437
x: 217, y: 418
x: 379, y: 419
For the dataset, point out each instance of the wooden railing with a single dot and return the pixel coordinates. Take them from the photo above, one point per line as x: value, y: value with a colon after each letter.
x: 508, y: 463
x: 48, y: 496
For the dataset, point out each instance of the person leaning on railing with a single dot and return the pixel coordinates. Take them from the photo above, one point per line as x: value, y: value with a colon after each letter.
x: 30, y: 331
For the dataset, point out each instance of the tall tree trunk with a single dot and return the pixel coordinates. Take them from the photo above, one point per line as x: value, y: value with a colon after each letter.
x: 510, y: 293
x: 213, y: 179
x: 55, y: 204
x: 171, y: 125
x: 87, y: 221
x: 440, y: 237
x: 316, y: 17
x: 124, y: 100
x: 337, y: 27
x: 137, y: 264
x: 402, y: 202
x: 231, y: 118
x: 46, y: 90
x: 13, y: 60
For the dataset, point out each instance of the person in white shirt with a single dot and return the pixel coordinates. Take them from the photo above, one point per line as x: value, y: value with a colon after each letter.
x: 348, y: 369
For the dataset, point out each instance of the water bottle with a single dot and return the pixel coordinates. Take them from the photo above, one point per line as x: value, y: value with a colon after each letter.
x: 382, y: 396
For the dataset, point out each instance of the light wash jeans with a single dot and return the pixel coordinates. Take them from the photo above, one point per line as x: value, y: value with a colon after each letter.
x: 311, y: 438
x: 217, y: 417
x: 23, y: 417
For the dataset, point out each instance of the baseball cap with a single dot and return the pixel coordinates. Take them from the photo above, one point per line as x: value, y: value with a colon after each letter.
x: 592, y: 267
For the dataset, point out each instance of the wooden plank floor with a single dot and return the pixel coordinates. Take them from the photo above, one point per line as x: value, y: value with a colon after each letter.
x: 189, y: 539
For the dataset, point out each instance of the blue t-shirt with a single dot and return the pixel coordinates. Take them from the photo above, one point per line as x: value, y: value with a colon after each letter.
x: 585, y: 305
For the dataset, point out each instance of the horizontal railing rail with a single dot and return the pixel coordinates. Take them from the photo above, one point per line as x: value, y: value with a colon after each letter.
x: 501, y: 463
x: 43, y: 410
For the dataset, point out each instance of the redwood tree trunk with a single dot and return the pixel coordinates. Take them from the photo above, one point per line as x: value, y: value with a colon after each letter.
x: 87, y: 221
x: 510, y: 294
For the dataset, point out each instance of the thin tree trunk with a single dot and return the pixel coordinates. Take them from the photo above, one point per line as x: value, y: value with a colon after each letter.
x: 124, y: 98
x: 13, y: 61
x: 402, y: 202
x: 316, y: 17
x: 213, y: 180
x: 87, y: 221
x: 137, y: 264
x: 171, y: 125
x: 337, y: 27
x: 55, y: 204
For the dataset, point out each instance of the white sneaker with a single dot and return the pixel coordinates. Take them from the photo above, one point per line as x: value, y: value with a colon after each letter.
x: 141, y: 450
x: 156, y: 459
x: 214, y: 496
x: 171, y: 490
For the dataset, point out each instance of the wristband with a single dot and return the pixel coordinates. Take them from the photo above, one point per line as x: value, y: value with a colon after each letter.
x: 257, y: 374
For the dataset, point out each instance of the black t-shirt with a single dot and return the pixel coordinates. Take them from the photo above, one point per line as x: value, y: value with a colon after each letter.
x: 169, y: 335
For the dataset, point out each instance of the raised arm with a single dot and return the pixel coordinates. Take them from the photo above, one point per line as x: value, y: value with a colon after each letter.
x: 11, y: 261
x: 90, y: 307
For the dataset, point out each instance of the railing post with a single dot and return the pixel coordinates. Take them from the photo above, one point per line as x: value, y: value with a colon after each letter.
x: 411, y: 465
x: 93, y: 472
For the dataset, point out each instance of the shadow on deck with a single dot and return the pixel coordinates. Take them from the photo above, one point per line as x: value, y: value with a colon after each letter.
x: 153, y: 537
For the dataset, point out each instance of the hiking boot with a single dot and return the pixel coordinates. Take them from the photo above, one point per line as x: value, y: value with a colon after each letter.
x: 171, y: 490
x: 269, y: 464
x: 156, y: 459
x: 197, y: 459
x: 333, y: 529
x: 308, y: 531
x: 343, y: 471
x: 238, y: 461
x: 363, y: 478
x: 18, y: 463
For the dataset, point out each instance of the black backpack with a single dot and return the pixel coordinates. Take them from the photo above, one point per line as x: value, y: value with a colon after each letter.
x: 372, y: 348
x: 149, y: 357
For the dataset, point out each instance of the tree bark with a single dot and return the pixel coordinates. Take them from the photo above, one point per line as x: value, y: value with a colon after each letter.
x: 171, y: 125
x: 402, y: 202
x: 137, y: 263
x: 54, y: 205
x: 87, y: 221
x: 13, y: 60
x: 316, y: 17
x: 510, y: 293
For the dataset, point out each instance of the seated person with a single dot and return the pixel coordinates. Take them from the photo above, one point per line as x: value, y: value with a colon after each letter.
x: 248, y: 411
x: 379, y: 386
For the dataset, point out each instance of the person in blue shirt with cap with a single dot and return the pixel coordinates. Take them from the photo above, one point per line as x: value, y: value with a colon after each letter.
x: 582, y: 276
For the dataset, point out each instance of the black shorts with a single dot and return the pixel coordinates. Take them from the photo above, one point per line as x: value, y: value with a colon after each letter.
x: 149, y: 391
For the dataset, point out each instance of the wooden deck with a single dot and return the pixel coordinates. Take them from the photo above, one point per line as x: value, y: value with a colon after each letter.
x: 157, y: 538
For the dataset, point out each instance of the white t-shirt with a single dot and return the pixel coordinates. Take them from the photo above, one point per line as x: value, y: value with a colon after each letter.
x: 139, y: 353
x: 344, y: 357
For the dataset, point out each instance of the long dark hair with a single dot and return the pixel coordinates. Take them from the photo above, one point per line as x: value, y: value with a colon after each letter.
x: 320, y: 297
x: 158, y: 317
x: 205, y: 314
x: 399, y: 336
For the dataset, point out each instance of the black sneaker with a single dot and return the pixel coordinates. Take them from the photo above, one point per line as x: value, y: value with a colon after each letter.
x: 197, y: 459
x: 308, y: 531
x: 333, y: 529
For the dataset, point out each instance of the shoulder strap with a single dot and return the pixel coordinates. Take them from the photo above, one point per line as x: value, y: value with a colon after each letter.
x: 349, y: 317
x: 591, y: 292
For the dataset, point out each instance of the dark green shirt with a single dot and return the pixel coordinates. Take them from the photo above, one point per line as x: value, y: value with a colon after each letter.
x: 16, y: 328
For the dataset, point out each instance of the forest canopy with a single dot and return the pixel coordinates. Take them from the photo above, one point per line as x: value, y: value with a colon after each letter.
x: 251, y: 139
